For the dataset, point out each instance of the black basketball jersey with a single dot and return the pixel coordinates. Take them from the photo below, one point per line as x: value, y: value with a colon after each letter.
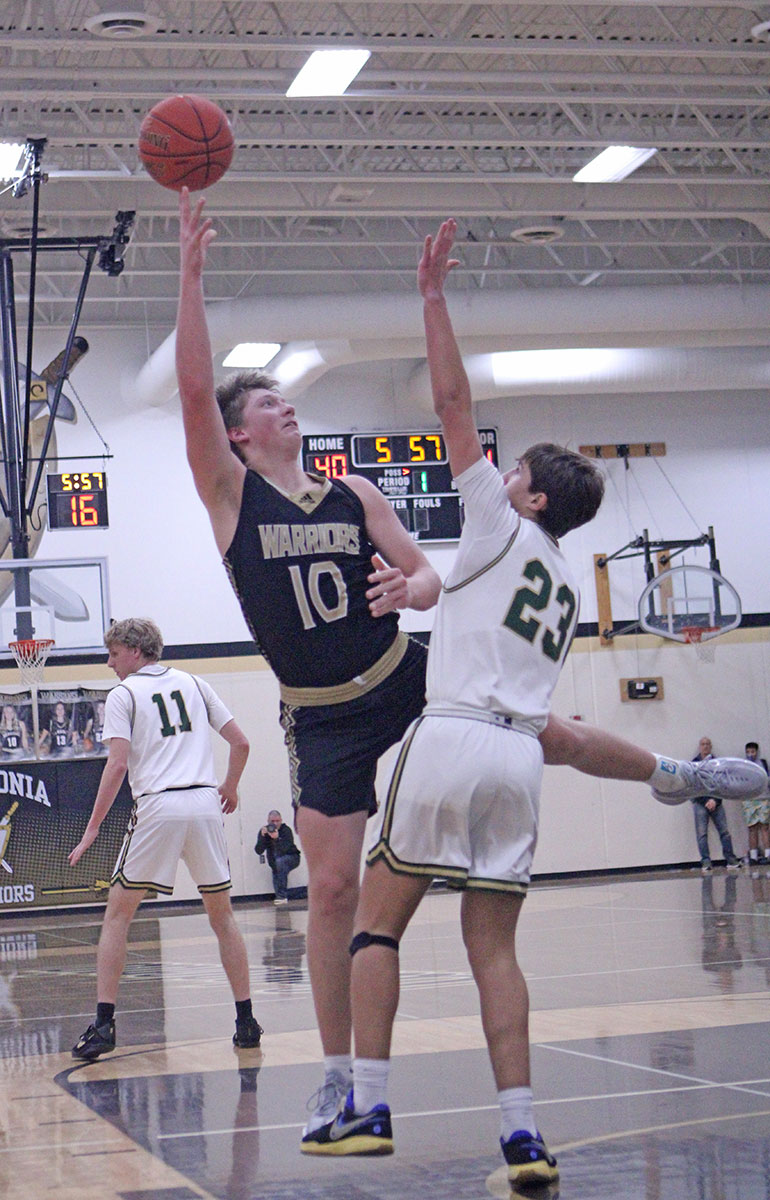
x: 60, y: 734
x: 11, y: 740
x: 301, y: 579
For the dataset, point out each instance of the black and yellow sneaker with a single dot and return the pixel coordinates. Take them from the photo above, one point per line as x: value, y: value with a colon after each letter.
x: 529, y: 1161
x: 248, y: 1034
x: 97, y: 1039
x: 350, y: 1133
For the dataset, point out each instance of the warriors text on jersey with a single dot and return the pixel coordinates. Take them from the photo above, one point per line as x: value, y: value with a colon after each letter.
x: 299, y: 566
x: 60, y: 735
x: 507, y: 612
x: 10, y: 740
x: 165, y: 714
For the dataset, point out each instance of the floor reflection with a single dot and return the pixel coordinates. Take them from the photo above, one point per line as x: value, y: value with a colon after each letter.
x: 720, y: 954
x: 179, y: 1119
x: 284, y: 951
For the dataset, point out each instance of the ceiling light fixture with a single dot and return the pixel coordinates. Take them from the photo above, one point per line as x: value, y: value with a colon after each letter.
x: 613, y: 164
x: 251, y: 355
x: 328, y: 72
x: 123, y: 25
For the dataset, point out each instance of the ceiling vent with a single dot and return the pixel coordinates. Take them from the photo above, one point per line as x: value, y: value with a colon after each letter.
x: 346, y: 193
x: 325, y: 226
x: 537, y: 235
x: 123, y: 25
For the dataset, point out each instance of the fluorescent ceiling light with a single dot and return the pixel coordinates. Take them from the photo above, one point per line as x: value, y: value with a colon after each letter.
x: 298, y: 364
x: 540, y: 366
x: 10, y: 157
x: 328, y: 72
x: 251, y: 354
x: 613, y: 164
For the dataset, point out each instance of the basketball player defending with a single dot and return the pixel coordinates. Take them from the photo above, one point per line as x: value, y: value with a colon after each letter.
x: 157, y: 725
x: 298, y: 549
x: 463, y: 800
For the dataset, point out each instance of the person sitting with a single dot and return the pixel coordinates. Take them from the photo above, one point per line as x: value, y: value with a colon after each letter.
x: 276, y: 840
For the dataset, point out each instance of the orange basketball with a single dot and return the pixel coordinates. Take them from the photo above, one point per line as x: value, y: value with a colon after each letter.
x: 186, y: 141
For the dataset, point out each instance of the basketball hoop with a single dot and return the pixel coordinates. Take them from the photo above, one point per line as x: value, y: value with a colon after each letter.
x: 31, y: 655
x: 693, y: 635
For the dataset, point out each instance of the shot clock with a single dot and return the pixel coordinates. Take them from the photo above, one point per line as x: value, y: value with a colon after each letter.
x: 411, y: 470
x: 77, y: 500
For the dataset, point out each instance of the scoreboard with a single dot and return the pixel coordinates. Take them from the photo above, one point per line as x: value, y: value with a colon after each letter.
x: 410, y: 469
x: 77, y: 500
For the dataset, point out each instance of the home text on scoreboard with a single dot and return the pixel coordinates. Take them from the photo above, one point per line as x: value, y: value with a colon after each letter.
x: 411, y: 469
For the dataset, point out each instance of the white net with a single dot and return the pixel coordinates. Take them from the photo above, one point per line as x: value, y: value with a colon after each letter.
x: 31, y: 655
x: 703, y: 649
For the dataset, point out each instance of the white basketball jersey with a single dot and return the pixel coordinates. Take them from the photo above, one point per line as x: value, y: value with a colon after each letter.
x: 507, y: 612
x: 165, y: 714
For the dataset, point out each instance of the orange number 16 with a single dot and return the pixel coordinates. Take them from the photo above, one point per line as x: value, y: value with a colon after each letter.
x: 82, y: 513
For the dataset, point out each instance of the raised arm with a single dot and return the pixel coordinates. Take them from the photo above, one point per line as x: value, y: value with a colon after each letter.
x: 449, y: 381
x: 218, y: 474
x: 239, y: 752
x: 408, y: 580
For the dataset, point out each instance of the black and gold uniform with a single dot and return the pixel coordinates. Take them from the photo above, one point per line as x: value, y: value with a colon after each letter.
x: 11, y: 741
x: 350, y: 682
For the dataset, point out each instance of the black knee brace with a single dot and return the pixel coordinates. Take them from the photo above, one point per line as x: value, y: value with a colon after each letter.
x: 363, y: 939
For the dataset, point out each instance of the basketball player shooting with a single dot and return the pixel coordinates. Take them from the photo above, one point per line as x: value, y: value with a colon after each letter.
x: 324, y: 616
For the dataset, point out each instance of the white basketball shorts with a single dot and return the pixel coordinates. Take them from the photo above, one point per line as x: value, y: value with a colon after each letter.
x: 184, y: 824
x: 463, y: 804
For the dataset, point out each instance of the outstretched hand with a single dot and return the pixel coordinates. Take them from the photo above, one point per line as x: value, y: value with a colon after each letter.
x: 88, y: 838
x: 389, y: 591
x: 435, y: 263
x: 195, y: 232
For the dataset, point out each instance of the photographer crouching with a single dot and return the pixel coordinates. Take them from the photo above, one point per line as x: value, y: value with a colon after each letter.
x: 276, y: 840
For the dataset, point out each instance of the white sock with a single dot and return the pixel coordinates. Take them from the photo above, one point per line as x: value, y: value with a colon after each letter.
x: 341, y: 1063
x: 370, y: 1083
x: 665, y: 776
x: 516, y: 1111
x: 767, y: 853
x: 754, y: 855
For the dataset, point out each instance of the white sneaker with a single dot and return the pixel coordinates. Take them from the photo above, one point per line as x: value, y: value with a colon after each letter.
x: 727, y: 778
x: 325, y: 1102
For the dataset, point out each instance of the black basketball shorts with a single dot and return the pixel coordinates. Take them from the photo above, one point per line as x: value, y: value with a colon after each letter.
x: 334, y: 748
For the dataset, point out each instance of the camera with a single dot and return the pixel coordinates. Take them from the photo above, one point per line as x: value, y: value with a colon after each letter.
x: 271, y: 827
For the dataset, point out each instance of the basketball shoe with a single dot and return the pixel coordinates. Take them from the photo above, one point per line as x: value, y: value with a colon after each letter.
x: 727, y: 778
x: 529, y: 1160
x: 351, y: 1133
x: 324, y: 1103
x: 247, y: 1034
x: 97, y: 1039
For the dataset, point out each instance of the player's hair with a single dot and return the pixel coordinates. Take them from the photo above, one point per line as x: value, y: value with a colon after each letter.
x: 751, y: 746
x: 138, y: 633
x: 231, y: 394
x: 573, y: 484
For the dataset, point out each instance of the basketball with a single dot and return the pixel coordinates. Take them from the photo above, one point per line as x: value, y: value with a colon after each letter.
x: 186, y: 141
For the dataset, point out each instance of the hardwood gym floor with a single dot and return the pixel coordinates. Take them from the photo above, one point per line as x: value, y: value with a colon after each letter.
x: 651, y: 1061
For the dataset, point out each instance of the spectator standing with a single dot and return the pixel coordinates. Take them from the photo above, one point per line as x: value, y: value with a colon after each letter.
x: 757, y: 816
x: 707, y: 808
